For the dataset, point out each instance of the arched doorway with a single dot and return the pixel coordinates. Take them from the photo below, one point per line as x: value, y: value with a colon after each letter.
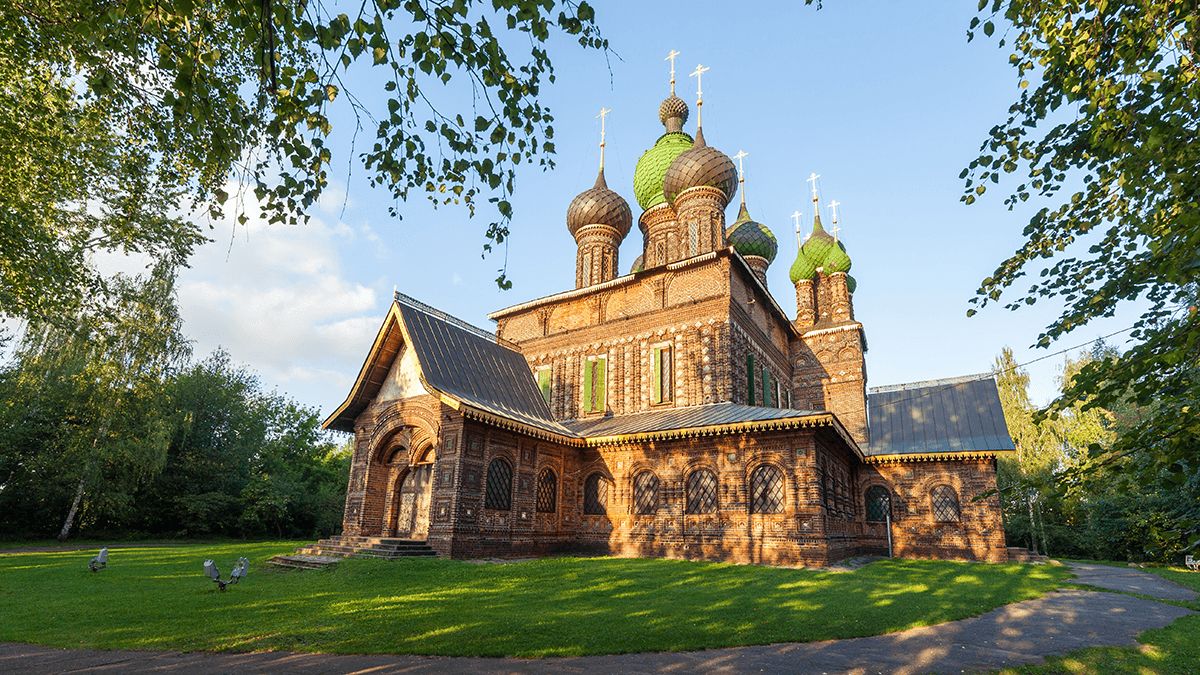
x: 412, y: 522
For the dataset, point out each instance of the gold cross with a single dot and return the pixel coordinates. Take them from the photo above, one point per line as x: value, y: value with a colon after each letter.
x: 700, y: 70
x: 671, y: 58
x: 742, y: 173
x: 601, y: 116
x: 813, y: 179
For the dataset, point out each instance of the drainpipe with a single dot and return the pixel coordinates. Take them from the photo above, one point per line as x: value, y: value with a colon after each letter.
x: 889, y: 531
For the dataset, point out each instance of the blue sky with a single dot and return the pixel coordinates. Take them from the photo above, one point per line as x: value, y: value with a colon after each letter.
x: 885, y: 102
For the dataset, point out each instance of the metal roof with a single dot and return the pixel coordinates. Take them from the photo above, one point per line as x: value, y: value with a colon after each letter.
x: 959, y: 415
x: 710, y: 415
x: 476, y: 370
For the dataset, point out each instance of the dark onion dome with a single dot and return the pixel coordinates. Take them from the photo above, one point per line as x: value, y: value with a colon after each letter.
x: 700, y: 166
x: 673, y: 107
x: 851, y: 284
x: 653, y: 164
x: 638, y: 265
x: 599, y: 206
x: 821, y: 251
x: 751, y: 238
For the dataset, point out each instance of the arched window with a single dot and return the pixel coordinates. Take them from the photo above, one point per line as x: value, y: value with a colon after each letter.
x: 766, y: 490
x: 702, y: 492
x: 945, y: 503
x: 879, y: 503
x: 499, y: 486
x: 645, y: 494
x: 547, y: 492
x: 595, y: 495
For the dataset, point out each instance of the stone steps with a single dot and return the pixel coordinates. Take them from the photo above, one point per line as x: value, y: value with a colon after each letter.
x: 388, y: 548
x: 1024, y: 555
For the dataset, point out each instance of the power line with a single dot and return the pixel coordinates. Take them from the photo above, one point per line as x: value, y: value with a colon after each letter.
x: 932, y: 391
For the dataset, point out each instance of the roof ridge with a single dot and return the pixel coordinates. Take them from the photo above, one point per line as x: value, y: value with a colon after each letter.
x: 453, y: 320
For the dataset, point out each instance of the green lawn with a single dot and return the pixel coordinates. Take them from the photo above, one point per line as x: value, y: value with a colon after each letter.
x: 156, y: 598
x: 1174, y: 650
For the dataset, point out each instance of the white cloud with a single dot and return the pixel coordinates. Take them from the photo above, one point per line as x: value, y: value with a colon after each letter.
x: 279, y: 299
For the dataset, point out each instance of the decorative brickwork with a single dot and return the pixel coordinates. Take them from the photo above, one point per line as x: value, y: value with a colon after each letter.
x: 674, y: 411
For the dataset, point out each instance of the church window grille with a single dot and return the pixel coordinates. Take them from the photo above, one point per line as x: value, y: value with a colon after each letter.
x: 879, y: 504
x: 593, y: 385
x: 766, y: 490
x: 662, y: 374
x: 547, y: 492
x: 693, y: 237
x: 595, y: 495
x: 702, y: 492
x: 499, y: 486
x: 606, y: 267
x: 945, y: 503
x: 587, y: 268
x: 645, y: 494
x: 750, y: 379
x: 543, y: 377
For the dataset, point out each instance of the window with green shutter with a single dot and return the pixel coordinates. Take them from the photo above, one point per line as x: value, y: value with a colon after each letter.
x: 750, y: 379
x: 662, y: 374
x: 544, y: 383
x: 593, y: 385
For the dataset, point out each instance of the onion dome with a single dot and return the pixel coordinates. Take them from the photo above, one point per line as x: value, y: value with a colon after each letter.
x: 638, y: 265
x: 823, y: 252
x: 653, y: 164
x: 700, y: 166
x: 751, y: 238
x: 599, y: 206
x: 851, y: 284
x: 803, y: 268
x: 673, y: 109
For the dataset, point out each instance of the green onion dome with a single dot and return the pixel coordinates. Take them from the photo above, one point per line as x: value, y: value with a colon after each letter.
x: 638, y: 265
x: 652, y: 167
x: 851, y: 284
x: 653, y: 164
x: 803, y: 268
x: 825, y: 252
x: 599, y: 206
x: 700, y: 166
x: 751, y: 238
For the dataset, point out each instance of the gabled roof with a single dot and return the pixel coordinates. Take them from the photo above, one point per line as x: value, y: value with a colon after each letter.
x: 955, y: 417
x: 458, y: 362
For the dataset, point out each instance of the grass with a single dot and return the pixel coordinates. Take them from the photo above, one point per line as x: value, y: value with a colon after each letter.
x: 156, y: 598
x: 1173, y: 650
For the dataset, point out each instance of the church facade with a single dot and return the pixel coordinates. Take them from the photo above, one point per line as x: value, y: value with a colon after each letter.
x: 676, y: 410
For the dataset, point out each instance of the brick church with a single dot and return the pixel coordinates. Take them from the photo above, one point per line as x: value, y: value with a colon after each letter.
x: 674, y: 411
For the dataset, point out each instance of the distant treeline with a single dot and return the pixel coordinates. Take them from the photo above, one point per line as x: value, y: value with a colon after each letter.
x: 109, y: 428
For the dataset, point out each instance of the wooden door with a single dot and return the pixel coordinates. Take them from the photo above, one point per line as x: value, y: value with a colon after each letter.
x: 413, y: 521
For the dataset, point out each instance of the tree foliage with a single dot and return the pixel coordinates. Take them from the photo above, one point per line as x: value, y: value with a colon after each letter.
x: 1122, y: 76
x: 116, y: 114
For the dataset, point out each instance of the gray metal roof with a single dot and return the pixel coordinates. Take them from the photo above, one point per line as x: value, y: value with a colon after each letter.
x: 713, y: 414
x: 471, y: 366
x: 941, y: 416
